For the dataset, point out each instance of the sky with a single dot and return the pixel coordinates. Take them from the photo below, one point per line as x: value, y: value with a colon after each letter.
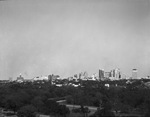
x: 65, y: 37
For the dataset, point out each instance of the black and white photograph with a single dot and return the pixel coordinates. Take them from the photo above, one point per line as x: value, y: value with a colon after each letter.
x: 74, y: 58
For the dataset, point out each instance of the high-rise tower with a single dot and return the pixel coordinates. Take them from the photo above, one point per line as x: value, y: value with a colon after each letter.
x: 134, y: 73
x: 101, y: 74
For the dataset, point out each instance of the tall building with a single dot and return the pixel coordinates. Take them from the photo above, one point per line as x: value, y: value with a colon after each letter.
x: 107, y: 74
x: 80, y: 74
x: 134, y: 73
x: 50, y: 78
x: 85, y: 74
x: 53, y: 77
x: 115, y: 74
x: 76, y: 76
x: 101, y: 74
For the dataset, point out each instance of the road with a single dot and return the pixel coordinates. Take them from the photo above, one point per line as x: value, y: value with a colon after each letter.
x: 92, y: 109
x: 78, y: 106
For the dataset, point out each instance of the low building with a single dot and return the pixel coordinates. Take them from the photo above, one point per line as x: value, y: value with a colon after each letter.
x: 40, y: 78
x: 20, y: 79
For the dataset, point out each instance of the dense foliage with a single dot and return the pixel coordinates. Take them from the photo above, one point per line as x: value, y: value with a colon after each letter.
x: 41, y: 97
x: 32, y: 98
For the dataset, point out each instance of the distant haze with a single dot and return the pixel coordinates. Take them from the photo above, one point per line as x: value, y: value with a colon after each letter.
x: 64, y: 37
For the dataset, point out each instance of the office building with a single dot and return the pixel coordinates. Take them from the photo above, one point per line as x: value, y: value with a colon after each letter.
x: 115, y: 74
x: 134, y: 73
x: 20, y: 78
x: 107, y: 74
x: 101, y: 74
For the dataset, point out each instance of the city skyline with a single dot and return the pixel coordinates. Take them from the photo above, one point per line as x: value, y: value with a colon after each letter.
x: 101, y: 74
x: 66, y: 37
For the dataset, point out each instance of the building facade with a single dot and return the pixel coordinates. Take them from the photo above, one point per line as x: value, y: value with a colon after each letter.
x: 101, y: 74
x: 134, y: 73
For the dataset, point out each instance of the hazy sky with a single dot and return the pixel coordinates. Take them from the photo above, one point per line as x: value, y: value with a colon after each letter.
x: 41, y: 37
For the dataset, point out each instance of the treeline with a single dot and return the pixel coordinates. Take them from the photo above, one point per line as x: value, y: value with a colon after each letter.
x: 122, y: 97
x: 41, y: 97
x: 29, y: 99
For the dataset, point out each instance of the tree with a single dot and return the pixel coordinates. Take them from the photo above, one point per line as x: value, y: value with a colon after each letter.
x: 84, y: 110
x: 51, y: 107
x: 63, y: 110
x: 38, y: 103
x: 12, y: 102
x: 27, y: 111
x: 147, y: 108
x: 105, y: 111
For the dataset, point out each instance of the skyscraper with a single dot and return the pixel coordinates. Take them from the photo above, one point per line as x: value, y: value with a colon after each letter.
x: 115, y: 74
x: 134, y: 73
x: 107, y: 74
x: 101, y: 74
